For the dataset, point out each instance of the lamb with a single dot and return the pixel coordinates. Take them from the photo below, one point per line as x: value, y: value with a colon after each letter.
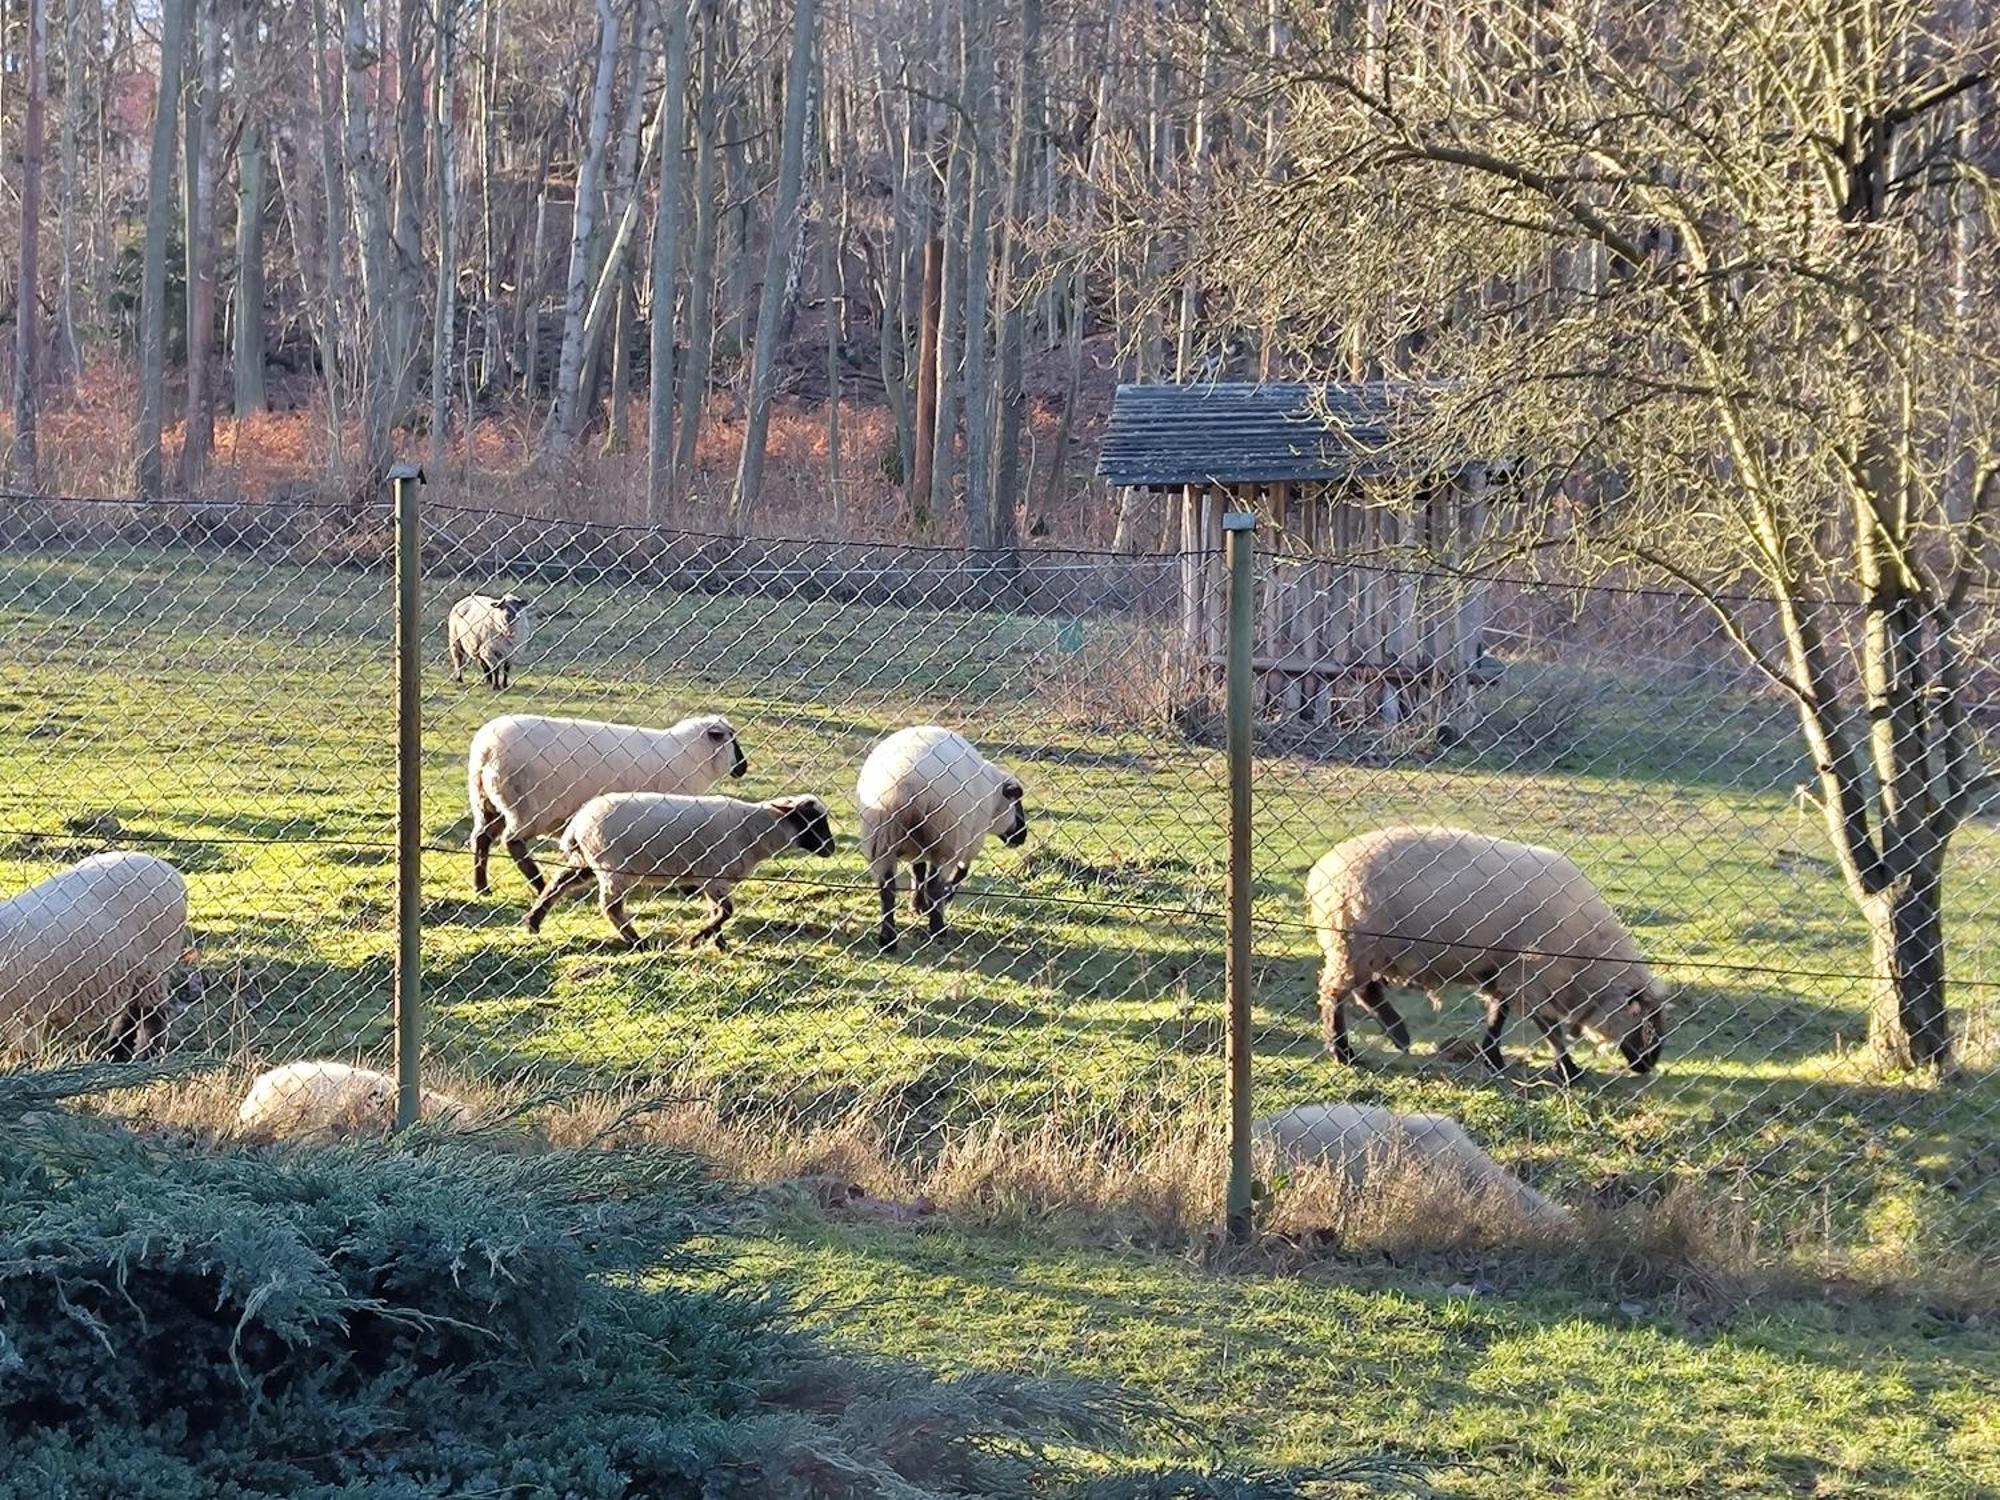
x: 704, y: 844
x: 90, y: 953
x: 1363, y: 1142
x: 489, y: 631
x: 929, y: 798
x: 528, y: 775
x: 328, y: 1101
x: 1431, y: 907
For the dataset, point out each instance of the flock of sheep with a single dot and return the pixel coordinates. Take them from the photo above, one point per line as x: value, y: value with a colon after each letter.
x: 92, y: 953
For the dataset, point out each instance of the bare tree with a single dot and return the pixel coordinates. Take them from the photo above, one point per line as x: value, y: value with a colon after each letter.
x: 978, y: 282
x: 199, y: 168
x: 770, y: 301
x: 23, y: 463
x: 444, y: 307
x: 150, y: 463
x: 666, y: 265
x: 568, y: 418
x: 1804, y: 418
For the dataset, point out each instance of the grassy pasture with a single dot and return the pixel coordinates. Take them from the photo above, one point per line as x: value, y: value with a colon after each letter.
x: 242, y: 709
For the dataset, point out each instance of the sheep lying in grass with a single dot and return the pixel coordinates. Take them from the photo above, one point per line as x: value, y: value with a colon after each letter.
x: 1375, y: 1150
x: 88, y: 956
x: 928, y: 798
x: 321, y: 1100
x: 489, y: 631
x: 1431, y: 907
x: 527, y: 774
x: 704, y: 844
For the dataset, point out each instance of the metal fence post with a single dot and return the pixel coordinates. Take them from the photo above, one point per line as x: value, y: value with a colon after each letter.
x: 1240, y: 545
x: 409, y: 799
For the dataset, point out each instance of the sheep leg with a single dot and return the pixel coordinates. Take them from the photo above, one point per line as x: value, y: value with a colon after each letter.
x: 517, y: 849
x: 614, y: 912
x: 457, y: 662
x: 1333, y: 1015
x: 720, y: 909
x: 560, y: 887
x: 483, y: 835
x: 1566, y: 1066
x: 1372, y: 999
x: 1496, y: 1022
x: 940, y: 892
x: 885, y: 935
x: 920, y: 888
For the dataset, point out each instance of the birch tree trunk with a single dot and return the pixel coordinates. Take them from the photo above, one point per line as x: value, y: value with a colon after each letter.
x: 23, y: 462
x: 701, y: 270
x: 371, y: 206
x: 770, y: 302
x: 248, y: 352
x: 444, y: 307
x: 666, y: 269
x: 198, y: 422
x: 149, y: 466
x: 951, y: 313
x: 583, y: 227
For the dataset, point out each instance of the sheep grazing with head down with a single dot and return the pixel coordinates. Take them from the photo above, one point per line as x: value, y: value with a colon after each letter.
x: 704, y: 844
x: 489, y: 631
x: 527, y: 775
x: 929, y: 799
x: 1433, y: 907
x: 88, y: 957
x: 321, y: 1101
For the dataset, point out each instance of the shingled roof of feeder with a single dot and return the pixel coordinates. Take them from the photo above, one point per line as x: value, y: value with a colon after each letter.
x: 1165, y: 436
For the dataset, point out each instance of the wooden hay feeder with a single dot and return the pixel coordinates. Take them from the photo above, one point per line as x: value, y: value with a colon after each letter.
x: 1360, y: 616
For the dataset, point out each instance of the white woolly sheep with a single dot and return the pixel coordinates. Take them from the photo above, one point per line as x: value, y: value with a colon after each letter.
x: 1431, y: 907
x: 327, y: 1101
x: 704, y: 844
x: 489, y: 631
x: 89, y: 955
x: 1363, y: 1141
x: 528, y: 775
x: 928, y: 798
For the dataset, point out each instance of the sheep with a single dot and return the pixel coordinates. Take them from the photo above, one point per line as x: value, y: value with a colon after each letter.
x: 90, y: 953
x: 328, y: 1100
x: 704, y: 844
x: 1430, y: 907
x: 528, y: 775
x: 489, y: 631
x: 926, y: 796
x: 1364, y: 1141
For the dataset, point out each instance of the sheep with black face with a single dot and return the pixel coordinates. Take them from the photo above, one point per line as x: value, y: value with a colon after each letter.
x: 489, y: 631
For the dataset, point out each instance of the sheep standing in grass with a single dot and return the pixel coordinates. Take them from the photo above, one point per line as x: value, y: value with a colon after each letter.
x: 89, y: 956
x: 1431, y: 907
x: 1371, y: 1147
x: 704, y: 844
x: 528, y: 775
x: 928, y: 798
x: 327, y: 1101
x: 489, y: 631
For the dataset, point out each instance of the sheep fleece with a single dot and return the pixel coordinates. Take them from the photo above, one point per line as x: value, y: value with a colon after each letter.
x: 80, y: 947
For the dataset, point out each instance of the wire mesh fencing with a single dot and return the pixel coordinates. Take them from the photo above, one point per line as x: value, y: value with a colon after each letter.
x: 214, y: 685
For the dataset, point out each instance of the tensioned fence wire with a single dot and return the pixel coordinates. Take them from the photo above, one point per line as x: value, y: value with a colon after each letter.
x: 213, y: 683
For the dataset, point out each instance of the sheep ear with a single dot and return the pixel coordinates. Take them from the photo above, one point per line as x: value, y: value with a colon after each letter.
x: 1012, y: 790
x: 718, y: 733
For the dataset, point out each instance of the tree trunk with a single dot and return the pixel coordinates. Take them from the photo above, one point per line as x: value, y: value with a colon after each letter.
x: 198, y: 423
x: 72, y: 169
x: 1908, y: 1023
x: 951, y: 314
x: 24, y: 464
x: 444, y: 307
x: 583, y: 229
x: 371, y: 200
x: 831, y: 249
x: 1013, y: 298
x: 335, y: 355
x: 249, y: 394
x: 701, y: 270
x: 666, y: 269
x: 150, y: 464
x: 530, y: 294
x: 770, y: 308
x: 929, y: 312
x: 412, y: 208
x: 978, y: 394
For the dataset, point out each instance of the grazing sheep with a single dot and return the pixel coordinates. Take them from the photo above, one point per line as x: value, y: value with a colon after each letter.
x: 528, y: 775
x: 929, y: 798
x: 704, y: 844
x: 327, y: 1101
x: 1365, y: 1140
x: 489, y: 631
x: 1431, y: 907
x: 89, y: 955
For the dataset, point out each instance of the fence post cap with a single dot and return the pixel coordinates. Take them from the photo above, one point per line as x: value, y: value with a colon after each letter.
x: 406, y: 471
x: 1239, y: 520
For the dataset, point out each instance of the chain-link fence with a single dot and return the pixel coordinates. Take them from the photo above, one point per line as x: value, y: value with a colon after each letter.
x: 214, y: 684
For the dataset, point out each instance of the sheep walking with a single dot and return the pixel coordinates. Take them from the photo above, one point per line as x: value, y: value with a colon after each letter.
x: 1369, y: 1145
x: 489, y: 631
x: 1432, y: 907
x: 318, y: 1100
x: 527, y: 775
x: 88, y: 956
x: 929, y: 799
x: 704, y: 844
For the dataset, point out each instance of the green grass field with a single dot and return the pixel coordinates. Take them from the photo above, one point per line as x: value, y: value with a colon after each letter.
x: 243, y: 711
